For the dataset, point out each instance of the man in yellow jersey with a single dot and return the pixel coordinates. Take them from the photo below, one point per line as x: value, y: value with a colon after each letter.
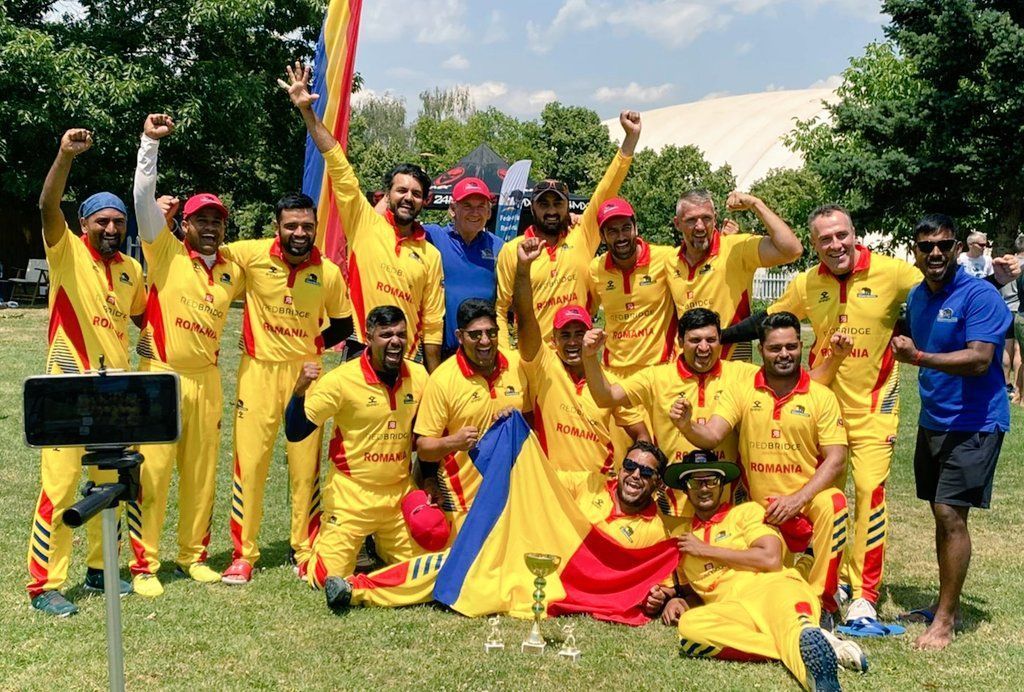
x: 792, y: 446
x: 622, y: 508
x: 191, y: 287
x: 574, y: 432
x: 753, y: 609
x: 94, y: 291
x: 467, y: 393
x: 390, y: 260
x: 859, y: 293
x: 291, y: 291
x: 698, y: 373
x: 562, y: 275
x: 373, y: 400
x: 716, y: 271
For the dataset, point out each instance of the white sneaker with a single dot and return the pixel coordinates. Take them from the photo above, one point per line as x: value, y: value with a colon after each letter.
x: 848, y: 653
x: 861, y: 608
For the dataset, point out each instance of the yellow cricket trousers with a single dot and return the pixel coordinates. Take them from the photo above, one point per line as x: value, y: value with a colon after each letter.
x: 353, y: 511
x: 829, y: 516
x: 761, y: 618
x: 49, y: 545
x: 195, y: 456
x: 407, y: 583
x: 264, y: 389
x: 872, y: 437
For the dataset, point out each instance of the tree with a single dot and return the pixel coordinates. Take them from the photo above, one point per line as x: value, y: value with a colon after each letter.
x: 578, y: 145
x: 932, y: 120
x: 793, y: 195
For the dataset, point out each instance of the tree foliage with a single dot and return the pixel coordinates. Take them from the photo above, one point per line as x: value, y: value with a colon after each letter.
x: 932, y: 120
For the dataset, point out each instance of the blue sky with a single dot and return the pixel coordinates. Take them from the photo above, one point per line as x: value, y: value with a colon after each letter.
x: 607, y: 54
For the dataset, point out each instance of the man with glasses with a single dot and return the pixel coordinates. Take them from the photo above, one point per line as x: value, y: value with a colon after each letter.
x: 477, y: 386
x: 792, y: 443
x: 957, y: 326
x: 975, y: 260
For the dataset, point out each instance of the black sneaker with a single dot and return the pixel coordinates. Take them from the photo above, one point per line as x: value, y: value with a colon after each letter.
x: 338, y: 592
x: 54, y: 603
x: 820, y: 660
x: 94, y: 582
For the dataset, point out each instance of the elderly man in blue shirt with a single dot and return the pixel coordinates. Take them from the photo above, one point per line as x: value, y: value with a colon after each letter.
x: 957, y: 326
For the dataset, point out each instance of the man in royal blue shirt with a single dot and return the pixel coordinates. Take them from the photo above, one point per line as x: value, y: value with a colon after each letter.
x: 957, y: 326
x: 468, y: 253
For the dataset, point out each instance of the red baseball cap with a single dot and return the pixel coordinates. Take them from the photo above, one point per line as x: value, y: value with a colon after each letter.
x: 572, y: 313
x: 467, y: 187
x: 203, y: 200
x: 613, y: 208
x: 427, y: 523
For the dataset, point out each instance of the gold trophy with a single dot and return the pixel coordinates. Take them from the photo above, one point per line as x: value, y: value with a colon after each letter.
x: 494, y: 641
x: 540, y: 565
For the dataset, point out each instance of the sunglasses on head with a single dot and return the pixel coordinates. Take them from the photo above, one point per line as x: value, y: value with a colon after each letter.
x: 477, y: 334
x: 926, y: 246
x: 694, y: 483
x: 629, y: 466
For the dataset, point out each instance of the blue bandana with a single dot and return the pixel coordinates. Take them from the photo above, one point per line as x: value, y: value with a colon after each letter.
x: 101, y: 200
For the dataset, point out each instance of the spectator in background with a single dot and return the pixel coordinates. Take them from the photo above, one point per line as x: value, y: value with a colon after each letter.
x: 1011, y: 352
x: 975, y: 260
x: 1018, y: 324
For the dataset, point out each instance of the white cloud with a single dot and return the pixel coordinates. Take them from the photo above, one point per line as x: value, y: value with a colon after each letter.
x: 831, y: 82
x: 496, y: 30
x: 364, y: 95
x: 774, y: 87
x: 511, y: 100
x: 712, y: 95
x: 456, y: 62
x: 744, y: 48
x: 433, y: 21
x: 633, y: 93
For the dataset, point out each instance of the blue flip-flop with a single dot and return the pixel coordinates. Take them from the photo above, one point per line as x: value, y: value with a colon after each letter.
x: 918, y: 615
x: 870, y: 627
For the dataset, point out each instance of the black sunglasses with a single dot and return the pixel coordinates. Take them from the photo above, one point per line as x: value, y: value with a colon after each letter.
x: 477, y: 334
x: 629, y: 466
x: 926, y: 246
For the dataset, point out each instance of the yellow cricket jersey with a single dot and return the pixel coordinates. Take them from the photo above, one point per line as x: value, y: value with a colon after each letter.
x: 286, y: 306
x: 385, y: 268
x: 639, y: 313
x: 598, y: 499
x: 723, y: 282
x: 187, y: 305
x: 561, y: 275
x: 781, y: 438
x: 574, y: 432
x: 372, y: 441
x: 656, y: 388
x: 457, y: 396
x: 732, y: 527
x: 91, y: 301
x: 864, y: 304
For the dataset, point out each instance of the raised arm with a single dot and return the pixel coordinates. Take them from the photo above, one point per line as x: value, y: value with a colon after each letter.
x: 707, y: 436
x: 506, y: 271
x: 522, y: 299
x: 148, y: 213
x: 840, y: 346
x: 781, y: 246
x: 606, y: 394
x: 74, y: 142
x: 612, y: 180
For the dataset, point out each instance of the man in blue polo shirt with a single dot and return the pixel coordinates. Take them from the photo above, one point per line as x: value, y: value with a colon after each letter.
x: 957, y: 327
x: 468, y: 253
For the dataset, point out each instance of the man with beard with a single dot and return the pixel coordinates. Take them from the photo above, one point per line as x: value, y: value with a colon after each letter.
x: 390, y: 261
x: 753, y: 608
x: 469, y: 253
x: 957, y: 327
x: 857, y: 293
x: 699, y: 374
x: 622, y: 508
x: 561, y: 276
x: 191, y: 286
x: 373, y: 400
x: 94, y: 291
x: 290, y: 290
x: 466, y: 393
x: 575, y: 434
x: 716, y: 271
x: 792, y: 444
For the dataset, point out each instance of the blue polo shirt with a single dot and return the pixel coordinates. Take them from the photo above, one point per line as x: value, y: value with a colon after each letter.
x: 966, y: 309
x: 469, y: 271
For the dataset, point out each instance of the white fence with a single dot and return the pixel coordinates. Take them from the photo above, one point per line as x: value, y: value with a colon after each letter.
x: 769, y: 284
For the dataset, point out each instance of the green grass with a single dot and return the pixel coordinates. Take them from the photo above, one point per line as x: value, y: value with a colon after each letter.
x: 276, y: 633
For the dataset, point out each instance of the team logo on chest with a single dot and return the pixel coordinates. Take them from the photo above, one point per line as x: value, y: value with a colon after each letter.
x: 409, y: 399
x: 209, y: 298
x: 610, y: 286
x: 646, y: 280
x: 945, y: 315
x: 630, y: 306
x: 313, y: 280
x: 823, y: 298
x: 843, y: 318
x: 776, y: 434
x: 225, y: 279
x: 392, y: 425
x: 706, y: 268
x: 866, y: 293
x: 371, y: 401
x: 799, y: 410
x: 287, y: 300
x: 124, y: 278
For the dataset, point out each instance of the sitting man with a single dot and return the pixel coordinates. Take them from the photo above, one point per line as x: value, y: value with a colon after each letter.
x: 753, y: 609
x: 621, y: 508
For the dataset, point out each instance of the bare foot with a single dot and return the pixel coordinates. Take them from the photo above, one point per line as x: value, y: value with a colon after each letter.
x: 937, y: 637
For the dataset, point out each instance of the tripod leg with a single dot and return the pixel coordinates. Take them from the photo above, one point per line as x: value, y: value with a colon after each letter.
x: 112, y: 595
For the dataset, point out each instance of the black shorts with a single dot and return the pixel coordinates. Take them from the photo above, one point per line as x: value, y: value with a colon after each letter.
x: 956, y: 468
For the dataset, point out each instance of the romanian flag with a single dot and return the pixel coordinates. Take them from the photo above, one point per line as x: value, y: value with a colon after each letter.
x: 521, y: 508
x: 334, y: 68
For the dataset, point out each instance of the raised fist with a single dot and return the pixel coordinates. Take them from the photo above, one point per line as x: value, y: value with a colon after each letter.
x: 158, y: 125
x: 630, y: 121
x: 76, y: 141
x: 307, y: 376
x: 681, y: 412
x: 529, y: 249
x: 740, y: 201
x: 593, y: 341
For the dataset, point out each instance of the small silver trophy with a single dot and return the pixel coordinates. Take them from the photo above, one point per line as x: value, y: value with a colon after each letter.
x: 494, y: 641
x: 569, y: 649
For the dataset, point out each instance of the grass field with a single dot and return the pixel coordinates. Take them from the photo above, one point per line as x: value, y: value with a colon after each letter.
x: 276, y: 633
